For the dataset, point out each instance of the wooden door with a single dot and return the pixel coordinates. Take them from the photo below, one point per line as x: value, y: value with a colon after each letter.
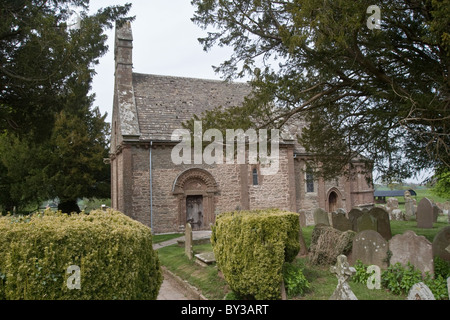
x: 194, y: 211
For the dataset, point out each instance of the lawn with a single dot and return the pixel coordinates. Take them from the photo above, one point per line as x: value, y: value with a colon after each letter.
x: 323, y: 283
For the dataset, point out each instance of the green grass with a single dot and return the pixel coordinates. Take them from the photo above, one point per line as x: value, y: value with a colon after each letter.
x: 164, y: 237
x: 322, y: 281
x: 204, y: 278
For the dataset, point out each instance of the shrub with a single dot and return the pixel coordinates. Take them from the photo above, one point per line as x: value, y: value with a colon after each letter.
x: 114, y: 254
x: 399, y: 279
x: 294, y: 280
x: 361, y: 275
x: 251, y: 247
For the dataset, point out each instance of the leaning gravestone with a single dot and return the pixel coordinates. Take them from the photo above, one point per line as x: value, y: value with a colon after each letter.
x: 188, y: 242
x: 321, y: 217
x: 340, y: 221
x: 383, y: 222
x: 409, y: 247
x: 371, y: 248
x: 343, y: 272
x: 440, y: 244
x: 420, y: 291
x: 425, y: 213
x: 353, y: 216
x: 366, y: 222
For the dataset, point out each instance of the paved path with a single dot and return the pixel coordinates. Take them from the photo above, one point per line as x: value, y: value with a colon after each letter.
x: 171, y: 289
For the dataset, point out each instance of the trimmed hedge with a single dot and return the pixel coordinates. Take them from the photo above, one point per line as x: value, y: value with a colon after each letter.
x: 114, y: 254
x: 251, y: 247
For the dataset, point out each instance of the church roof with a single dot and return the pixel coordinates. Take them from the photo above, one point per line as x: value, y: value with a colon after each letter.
x: 163, y: 103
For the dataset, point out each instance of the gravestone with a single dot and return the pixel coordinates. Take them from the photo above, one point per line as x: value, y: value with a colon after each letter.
x: 366, y: 222
x: 440, y: 244
x: 205, y: 259
x: 391, y: 204
x: 446, y: 208
x: 420, y: 291
x: 188, y: 249
x: 343, y: 272
x: 302, y: 218
x: 303, y: 248
x: 413, y: 248
x: 353, y: 216
x: 436, y: 212
x: 424, y: 214
x: 410, y: 208
x: 397, y: 215
x: 371, y: 248
x: 383, y: 222
x: 340, y: 221
x: 321, y: 217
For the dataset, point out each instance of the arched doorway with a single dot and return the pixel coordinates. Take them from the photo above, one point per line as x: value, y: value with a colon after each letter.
x: 334, y: 199
x: 195, y: 190
x: 332, y: 202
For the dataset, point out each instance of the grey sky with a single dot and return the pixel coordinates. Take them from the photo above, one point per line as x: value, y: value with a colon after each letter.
x: 165, y: 43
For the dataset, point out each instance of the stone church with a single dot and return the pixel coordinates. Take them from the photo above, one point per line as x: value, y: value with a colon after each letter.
x: 147, y: 186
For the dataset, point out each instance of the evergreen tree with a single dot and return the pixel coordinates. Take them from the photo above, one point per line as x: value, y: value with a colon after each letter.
x: 52, y: 141
x: 378, y: 93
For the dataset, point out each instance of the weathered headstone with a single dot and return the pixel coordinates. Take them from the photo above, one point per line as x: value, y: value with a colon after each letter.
x: 440, y: 244
x: 391, y: 204
x: 353, y: 216
x: 409, y: 247
x: 436, y: 212
x: 446, y: 208
x: 321, y: 217
x: 302, y: 218
x: 383, y: 222
x: 188, y: 249
x: 425, y: 214
x: 340, y: 221
x: 420, y: 291
x: 371, y: 248
x: 410, y: 208
x: 303, y: 248
x: 397, y: 215
x: 366, y: 222
x: 343, y: 272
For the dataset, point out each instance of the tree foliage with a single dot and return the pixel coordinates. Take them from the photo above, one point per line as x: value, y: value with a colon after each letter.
x: 52, y: 141
x: 378, y: 93
x: 40, y: 57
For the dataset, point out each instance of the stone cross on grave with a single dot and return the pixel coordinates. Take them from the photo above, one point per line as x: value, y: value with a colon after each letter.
x: 343, y: 272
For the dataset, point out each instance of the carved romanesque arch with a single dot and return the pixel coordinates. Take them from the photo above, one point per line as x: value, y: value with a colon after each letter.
x: 196, y: 184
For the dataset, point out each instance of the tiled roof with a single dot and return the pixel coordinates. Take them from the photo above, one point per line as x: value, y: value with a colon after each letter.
x: 164, y: 102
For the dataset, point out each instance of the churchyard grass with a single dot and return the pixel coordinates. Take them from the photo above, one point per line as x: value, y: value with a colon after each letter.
x: 322, y: 281
x: 204, y: 278
x: 165, y: 237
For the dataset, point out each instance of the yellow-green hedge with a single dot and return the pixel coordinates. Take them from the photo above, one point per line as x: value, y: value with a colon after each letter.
x: 251, y: 247
x: 114, y: 254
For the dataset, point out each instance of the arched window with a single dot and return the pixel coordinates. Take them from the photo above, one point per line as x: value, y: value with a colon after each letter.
x: 309, y: 180
x: 255, y: 177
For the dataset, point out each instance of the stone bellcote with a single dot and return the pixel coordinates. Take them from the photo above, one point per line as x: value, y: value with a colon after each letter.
x: 124, y: 46
x: 124, y: 109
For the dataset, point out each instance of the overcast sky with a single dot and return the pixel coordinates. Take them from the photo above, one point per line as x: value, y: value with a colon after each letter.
x: 165, y: 43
